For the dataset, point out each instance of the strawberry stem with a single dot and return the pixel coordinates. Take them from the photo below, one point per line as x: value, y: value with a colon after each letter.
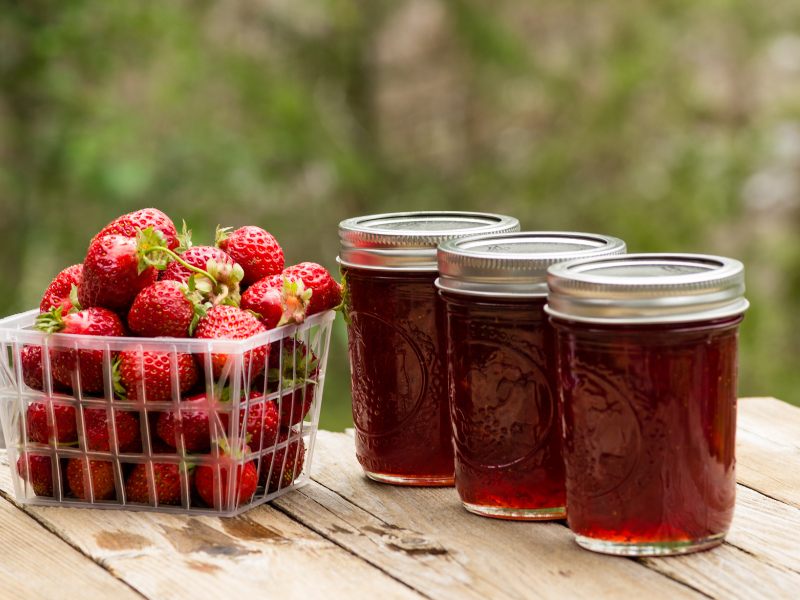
x: 180, y: 261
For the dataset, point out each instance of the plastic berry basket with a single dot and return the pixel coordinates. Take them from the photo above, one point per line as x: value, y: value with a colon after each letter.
x: 234, y: 391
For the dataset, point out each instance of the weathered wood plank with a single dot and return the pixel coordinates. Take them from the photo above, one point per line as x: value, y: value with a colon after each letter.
x: 260, y: 554
x: 766, y: 528
x: 426, y: 539
x: 35, y: 564
x: 727, y: 572
x: 768, y: 448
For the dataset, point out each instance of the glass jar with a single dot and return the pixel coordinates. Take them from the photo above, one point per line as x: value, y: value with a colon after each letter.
x: 396, y: 340
x: 501, y: 369
x: 647, y: 358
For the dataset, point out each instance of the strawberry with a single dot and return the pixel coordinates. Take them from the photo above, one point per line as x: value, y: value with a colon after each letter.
x: 162, y: 309
x: 116, y: 269
x: 229, y: 322
x: 246, y: 483
x: 148, y: 375
x: 66, y: 427
x: 277, y: 300
x: 90, y: 321
x: 157, y: 445
x: 102, y: 478
x: 283, y: 475
x: 167, y: 483
x: 40, y: 472
x: 327, y: 292
x: 32, y: 375
x: 300, y: 365
x: 127, y: 225
x: 262, y: 421
x: 254, y: 249
x: 193, y: 425
x: 57, y: 293
x: 217, y: 275
x: 97, y: 429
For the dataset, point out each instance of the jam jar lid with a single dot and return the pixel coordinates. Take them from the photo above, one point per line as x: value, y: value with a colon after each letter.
x: 514, y: 264
x: 647, y: 288
x: 407, y: 241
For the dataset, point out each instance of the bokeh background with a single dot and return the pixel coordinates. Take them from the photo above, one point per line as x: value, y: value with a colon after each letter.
x: 672, y: 124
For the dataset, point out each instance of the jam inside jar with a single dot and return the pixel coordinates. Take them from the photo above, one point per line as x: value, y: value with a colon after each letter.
x: 506, y: 422
x: 396, y: 344
x: 649, y: 419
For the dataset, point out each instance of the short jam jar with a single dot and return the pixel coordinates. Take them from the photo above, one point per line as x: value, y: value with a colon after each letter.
x: 396, y: 340
x: 647, y: 360
x: 501, y: 370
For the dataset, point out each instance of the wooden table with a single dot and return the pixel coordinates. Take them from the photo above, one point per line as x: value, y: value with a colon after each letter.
x: 344, y: 536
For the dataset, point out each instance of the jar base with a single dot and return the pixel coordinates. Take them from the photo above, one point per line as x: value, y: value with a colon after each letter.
x: 649, y: 548
x: 415, y: 480
x: 517, y: 514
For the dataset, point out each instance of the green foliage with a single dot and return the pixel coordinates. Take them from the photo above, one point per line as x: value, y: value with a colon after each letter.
x: 644, y: 120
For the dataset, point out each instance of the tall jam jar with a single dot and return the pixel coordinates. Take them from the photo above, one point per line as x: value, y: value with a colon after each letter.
x: 396, y: 340
x: 501, y: 369
x: 647, y: 358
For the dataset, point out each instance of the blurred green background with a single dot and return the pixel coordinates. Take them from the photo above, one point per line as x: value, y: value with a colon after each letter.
x: 674, y: 125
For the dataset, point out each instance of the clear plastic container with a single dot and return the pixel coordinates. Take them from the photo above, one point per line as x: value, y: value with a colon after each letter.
x: 278, y: 461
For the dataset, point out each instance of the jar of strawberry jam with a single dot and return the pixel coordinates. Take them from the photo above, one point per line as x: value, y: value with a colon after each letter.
x: 396, y: 340
x: 647, y: 358
x: 501, y: 369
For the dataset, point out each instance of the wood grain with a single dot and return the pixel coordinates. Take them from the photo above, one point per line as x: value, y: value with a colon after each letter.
x: 768, y: 448
x: 460, y: 555
x: 35, y: 564
x: 263, y: 553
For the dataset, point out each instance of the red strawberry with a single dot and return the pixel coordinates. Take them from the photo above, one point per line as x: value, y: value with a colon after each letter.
x: 31, y: 358
x: 148, y: 375
x: 127, y: 225
x: 197, y: 256
x: 66, y: 427
x: 111, y: 272
x: 167, y: 483
x: 265, y: 298
x: 262, y: 422
x: 299, y: 366
x: 40, y: 472
x: 327, y: 292
x: 162, y: 309
x: 246, y: 483
x: 225, y: 272
x: 278, y: 300
x: 102, y: 478
x: 57, y: 293
x: 90, y: 321
x: 97, y: 428
x: 283, y: 475
x: 193, y: 425
x: 229, y: 322
x: 254, y: 249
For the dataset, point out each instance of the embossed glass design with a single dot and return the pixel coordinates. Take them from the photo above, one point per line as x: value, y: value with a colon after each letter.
x: 396, y: 344
x: 506, y: 422
x: 649, y: 423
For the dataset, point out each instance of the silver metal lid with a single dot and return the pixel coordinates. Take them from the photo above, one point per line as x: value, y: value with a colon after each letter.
x: 407, y: 241
x: 514, y: 264
x: 647, y: 288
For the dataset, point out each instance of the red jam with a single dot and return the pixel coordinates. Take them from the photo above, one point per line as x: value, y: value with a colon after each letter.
x: 400, y: 405
x: 649, y: 425
x: 506, y: 421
